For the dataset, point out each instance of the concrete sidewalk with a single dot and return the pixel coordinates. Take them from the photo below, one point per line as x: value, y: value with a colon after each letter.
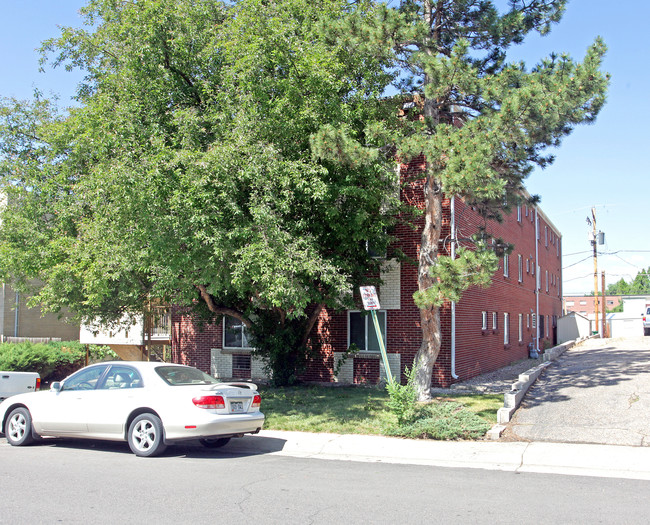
x: 555, y: 458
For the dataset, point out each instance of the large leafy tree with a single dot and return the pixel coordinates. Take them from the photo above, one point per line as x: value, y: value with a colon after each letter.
x: 481, y: 122
x: 640, y: 285
x: 185, y: 172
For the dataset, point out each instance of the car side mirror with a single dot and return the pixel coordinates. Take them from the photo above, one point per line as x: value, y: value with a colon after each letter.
x: 56, y: 386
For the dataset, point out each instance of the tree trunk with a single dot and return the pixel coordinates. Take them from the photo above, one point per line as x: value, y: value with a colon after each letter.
x: 429, y: 316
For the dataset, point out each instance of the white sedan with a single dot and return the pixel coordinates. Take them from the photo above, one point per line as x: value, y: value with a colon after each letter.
x: 150, y: 405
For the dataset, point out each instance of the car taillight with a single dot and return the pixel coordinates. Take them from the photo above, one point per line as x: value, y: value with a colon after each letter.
x: 38, y: 383
x: 209, y: 402
x: 257, y: 401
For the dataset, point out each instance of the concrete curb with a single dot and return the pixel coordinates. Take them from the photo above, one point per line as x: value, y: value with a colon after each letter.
x: 553, y: 458
x: 512, y: 400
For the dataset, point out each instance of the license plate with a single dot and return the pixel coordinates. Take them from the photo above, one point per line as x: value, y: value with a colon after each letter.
x: 236, y: 406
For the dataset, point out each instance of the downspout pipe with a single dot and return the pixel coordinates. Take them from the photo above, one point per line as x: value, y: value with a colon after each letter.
x: 16, y: 315
x: 453, y: 304
x: 2, y: 314
x: 537, y: 285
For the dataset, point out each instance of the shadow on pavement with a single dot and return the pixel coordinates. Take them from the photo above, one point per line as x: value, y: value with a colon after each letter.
x: 586, y: 369
x: 237, y: 447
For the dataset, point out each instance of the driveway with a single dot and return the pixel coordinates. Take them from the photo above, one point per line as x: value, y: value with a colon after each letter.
x: 597, y: 392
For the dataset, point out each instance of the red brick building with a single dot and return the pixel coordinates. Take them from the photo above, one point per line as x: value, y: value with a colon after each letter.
x: 585, y: 304
x: 487, y: 329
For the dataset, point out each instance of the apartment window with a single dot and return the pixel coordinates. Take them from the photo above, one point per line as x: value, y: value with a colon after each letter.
x: 548, y: 322
x: 546, y: 235
x: 527, y: 320
x: 518, y: 213
x: 534, y: 316
x: 527, y: 265
x: 583, y: 303
x: 520, y: 326
x: 494, y: 320
x: 234, y: 333
x: 526, y: 210
x: 506, y: 328
x: 375, y: 252
x: 557, y: 247
x: 361, y: 330
x: 547, y: 280
x: 520, y: 264
x: 570, y: 303
x: 506, y: 266
x: 483, y: 320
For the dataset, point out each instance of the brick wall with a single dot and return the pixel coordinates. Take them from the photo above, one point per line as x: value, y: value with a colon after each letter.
x: 478, y: 350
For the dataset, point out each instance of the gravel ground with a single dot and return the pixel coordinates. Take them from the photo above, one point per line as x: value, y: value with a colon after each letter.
x: 498, y: 382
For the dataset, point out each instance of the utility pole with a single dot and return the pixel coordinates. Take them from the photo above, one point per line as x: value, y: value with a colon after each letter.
x: 593, y: 243
x: 596, y: 239
x: 602, y: 287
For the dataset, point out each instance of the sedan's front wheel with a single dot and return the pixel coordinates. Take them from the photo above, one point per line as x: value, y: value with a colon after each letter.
x: 146, y: 436
x: 19, y: 427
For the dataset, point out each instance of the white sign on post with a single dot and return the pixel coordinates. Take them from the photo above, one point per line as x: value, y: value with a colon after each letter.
x: 369, y: 297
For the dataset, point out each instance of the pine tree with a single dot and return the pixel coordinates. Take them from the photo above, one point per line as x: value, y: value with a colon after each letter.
x: 481, y: 122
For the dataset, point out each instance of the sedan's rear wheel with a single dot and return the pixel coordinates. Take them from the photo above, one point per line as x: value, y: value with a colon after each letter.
x: 214, y: 442
x: 18, y: 429
x: 146, y: 436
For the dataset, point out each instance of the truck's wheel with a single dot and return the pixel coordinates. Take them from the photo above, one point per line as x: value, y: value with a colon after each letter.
x: 19, y: 427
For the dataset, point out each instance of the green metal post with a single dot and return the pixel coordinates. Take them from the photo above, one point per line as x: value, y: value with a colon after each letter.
x: 384, y: 355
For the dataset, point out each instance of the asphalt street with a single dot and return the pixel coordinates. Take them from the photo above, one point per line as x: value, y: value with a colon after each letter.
x: 597, y: 392
x: 81, y: 482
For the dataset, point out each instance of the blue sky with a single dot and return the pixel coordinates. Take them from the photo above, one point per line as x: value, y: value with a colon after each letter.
x: 598, y: 165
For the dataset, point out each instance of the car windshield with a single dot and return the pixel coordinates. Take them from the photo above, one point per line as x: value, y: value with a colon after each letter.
x: 182, y: 375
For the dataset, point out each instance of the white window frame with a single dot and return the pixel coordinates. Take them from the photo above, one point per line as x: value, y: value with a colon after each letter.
x: 518, y: 213
x: 547, y: 281
x: 527, y: 320
x: 506, y: 266
x: 521, y: 327
x: 520, y: 264
x: 506, y: 328
x: 244, y: 336
x: 484, y: 322
x: 368, y: 321
x: 495, y: 322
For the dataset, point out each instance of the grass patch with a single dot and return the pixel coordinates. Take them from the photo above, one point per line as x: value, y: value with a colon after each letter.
x: 364, y: 410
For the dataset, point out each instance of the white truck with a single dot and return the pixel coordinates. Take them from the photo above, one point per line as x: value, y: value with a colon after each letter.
x: 646, y: 320
x: 12, y: 383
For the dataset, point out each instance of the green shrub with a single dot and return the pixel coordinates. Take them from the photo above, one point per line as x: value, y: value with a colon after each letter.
x: 441, y: 420
x: 46, y: 359
x: 53, y: 361
x: 402, y: 399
